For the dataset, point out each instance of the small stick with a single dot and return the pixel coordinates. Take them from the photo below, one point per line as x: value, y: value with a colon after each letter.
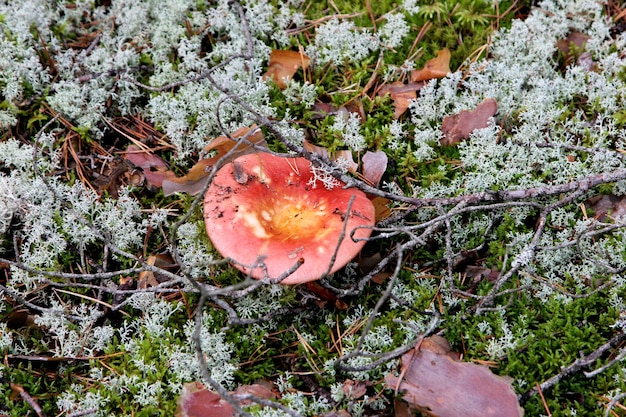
x: 29, y: 400
x: 543, y: 399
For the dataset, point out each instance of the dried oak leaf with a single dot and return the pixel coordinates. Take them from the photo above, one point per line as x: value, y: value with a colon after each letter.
x: 195, y: 180
x: 147, y: 279
x: 459, y: 126
x: 436, y: 384
x: 283, y: 66
x: 382, y: 207
x: 437, y: 67
x: 355, y: 389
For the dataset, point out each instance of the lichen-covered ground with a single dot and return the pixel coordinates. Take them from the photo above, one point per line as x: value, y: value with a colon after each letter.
x: 497, y: 127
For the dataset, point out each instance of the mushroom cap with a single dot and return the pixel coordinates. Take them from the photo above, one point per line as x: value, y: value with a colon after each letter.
x: 262, y: 206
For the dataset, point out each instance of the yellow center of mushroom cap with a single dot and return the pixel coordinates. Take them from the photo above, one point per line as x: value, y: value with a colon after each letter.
x: 287, y: 219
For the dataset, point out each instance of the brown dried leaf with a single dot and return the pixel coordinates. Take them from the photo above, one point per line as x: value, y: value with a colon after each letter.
x: 283, y: 65
x: 195, y: 180
x: 401, y: 94
x: 324, y: 295
x: 459, y: 126
x: 381, y: 277
x: 154, y: 168
x: 126, y: 283
x: 368, y: 263
x: 354, y: 389
x: 577, y: 39
x: 573, y: 47
x: 438, y: 385
x: 258, y: 390
x: 113, y: 177
x: 381, y: 205
x: 196, y: 401
x: 605, y: 206
x: 150, y: 279
x: 321, y: 151
x: 374, y: 167
x: 437, y: 67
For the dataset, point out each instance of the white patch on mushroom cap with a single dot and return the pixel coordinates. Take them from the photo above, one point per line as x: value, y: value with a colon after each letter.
x: 252, y: 222
x: 260, y: 174
x: 266, y: 215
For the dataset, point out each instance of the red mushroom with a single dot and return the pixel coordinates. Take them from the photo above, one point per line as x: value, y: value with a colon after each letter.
x: 262, y: 212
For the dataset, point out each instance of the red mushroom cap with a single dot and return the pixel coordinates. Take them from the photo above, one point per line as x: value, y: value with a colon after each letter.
x: 262, y: 205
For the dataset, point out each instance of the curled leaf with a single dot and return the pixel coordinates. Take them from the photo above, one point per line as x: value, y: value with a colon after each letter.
x: 154, y: 168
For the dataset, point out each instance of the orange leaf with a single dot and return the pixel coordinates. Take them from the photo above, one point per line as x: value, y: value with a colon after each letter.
x: 401, y: 94
x: 194, y: 181
x: 148, y: 278
x: 381, y: 205
x: 437, y: 67
x: 283, y: 65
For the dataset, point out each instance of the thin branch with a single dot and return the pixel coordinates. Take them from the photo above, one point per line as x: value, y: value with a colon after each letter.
x: 576, y: 366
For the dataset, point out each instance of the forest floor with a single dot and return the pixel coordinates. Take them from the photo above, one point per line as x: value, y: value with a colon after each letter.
x: 464, y: 162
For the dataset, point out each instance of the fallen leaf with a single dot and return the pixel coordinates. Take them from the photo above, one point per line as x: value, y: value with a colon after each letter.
x: 197, y: 401
x: 342, y: 154
x: 126, y: 283
x: 437, y: 67
x: 401, y: 409
x: 381, y: 277
x: 604, y: 206
x: 324, y: 295
x: 150, y: 279
x: 576, y: 39
x: 283, y: 66
x: 258, y: 390
x: 195, y: 180
x: 459, y: 126
x: 154, y: 168
x: 338, y: 413
x: 435, y: 383
x: 401, y: 94
x: 381, y: 205
x: 111, y: 178
x: 354, y: 389
x: 368, y: 263
x: 374, y: 167
x: 573, y: 49
x: 586, y: 62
